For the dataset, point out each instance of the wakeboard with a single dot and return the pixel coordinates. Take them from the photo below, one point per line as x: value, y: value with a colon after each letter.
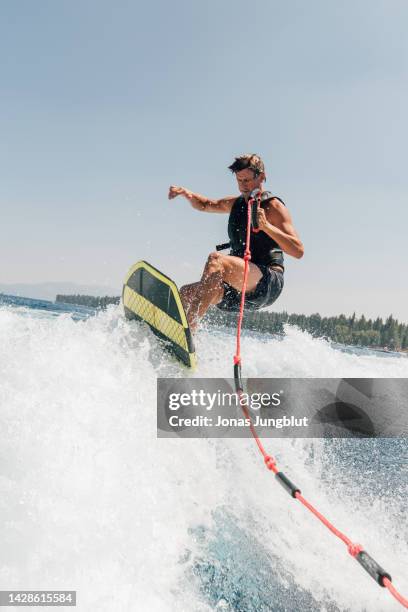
x: 151, y: 296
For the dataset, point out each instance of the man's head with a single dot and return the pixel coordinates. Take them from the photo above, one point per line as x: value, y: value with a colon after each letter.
x: 250, y: 172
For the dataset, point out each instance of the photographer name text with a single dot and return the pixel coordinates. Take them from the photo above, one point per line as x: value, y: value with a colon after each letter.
x: 206, y: 421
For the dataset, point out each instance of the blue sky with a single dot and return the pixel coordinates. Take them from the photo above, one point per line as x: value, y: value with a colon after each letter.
x: 103, y: 105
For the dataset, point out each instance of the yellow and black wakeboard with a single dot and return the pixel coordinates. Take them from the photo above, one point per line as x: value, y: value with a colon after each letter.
x: 150, y: 296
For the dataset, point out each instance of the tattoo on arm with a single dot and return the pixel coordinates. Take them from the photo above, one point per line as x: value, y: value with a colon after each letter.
x: 206, y: 204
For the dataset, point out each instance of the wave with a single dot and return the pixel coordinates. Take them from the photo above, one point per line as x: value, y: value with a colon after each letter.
x: 91, y: 500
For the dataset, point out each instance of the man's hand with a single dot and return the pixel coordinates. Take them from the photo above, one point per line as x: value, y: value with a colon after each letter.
x: 276, y: 222
x: 262, y: 220
x: 200, y: 202
x: 175, y: 191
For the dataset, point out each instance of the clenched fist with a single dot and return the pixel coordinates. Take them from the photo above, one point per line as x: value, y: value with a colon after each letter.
x: 175, y: 191
x: 262, y: 220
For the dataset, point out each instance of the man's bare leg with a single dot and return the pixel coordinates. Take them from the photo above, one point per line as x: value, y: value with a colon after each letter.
x: 210, y: 290
x: 197, y: 297
x: 187, y: 293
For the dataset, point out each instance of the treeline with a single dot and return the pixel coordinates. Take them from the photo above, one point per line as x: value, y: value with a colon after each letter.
x: 88, y: 300
x: 375, y: 333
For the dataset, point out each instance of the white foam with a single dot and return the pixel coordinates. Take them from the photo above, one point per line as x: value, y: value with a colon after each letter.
x: 91, y: 500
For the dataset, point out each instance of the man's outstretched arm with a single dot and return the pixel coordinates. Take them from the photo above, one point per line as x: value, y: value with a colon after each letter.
x: 202, y: 203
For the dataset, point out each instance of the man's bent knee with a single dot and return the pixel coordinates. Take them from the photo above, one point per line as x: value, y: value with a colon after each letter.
x: 214, y: 263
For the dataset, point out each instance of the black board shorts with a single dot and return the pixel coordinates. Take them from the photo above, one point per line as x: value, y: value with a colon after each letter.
x: 265, y: 293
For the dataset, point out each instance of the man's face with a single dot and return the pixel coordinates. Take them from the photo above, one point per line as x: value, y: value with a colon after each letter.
x: 247, y: 181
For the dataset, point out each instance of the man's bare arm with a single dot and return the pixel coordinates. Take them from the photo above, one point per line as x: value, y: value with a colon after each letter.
x: 276, y: 222
x: 202, y: 203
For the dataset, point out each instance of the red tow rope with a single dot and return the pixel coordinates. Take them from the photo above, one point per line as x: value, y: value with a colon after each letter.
x: 371, y: 566
x: 247, y: 258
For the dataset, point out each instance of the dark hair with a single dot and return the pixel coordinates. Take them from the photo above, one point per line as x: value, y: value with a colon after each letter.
x: 251, y: 161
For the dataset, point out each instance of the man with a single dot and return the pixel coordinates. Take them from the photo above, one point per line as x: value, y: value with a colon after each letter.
x: 223, y: 275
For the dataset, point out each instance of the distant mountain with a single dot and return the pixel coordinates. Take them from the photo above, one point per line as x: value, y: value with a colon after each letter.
x: 48, y: 291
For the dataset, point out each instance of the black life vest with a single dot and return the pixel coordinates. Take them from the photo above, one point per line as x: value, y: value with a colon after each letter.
x: 264, y: 249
